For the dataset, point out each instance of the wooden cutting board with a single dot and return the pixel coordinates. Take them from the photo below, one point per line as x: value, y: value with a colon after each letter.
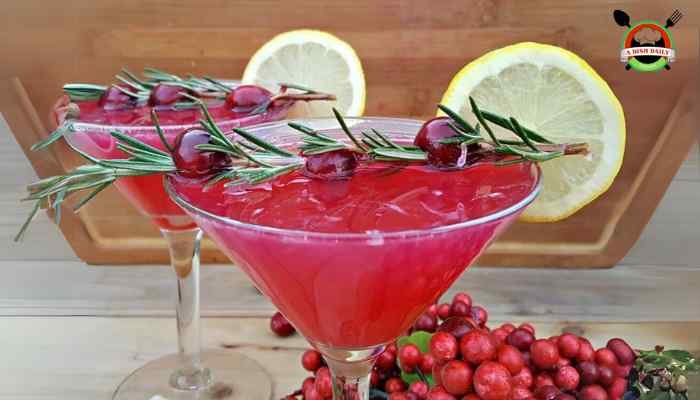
x: 410, y: 51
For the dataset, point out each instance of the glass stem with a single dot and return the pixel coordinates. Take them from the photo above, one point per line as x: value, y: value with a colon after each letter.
x: 350, y: 371
x: 184, y: 257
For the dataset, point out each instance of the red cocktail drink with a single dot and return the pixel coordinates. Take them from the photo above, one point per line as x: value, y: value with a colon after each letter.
x: 352, y: 262
x: 91, y: 135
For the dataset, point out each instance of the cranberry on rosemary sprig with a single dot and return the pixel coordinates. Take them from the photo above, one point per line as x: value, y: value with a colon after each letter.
x: 444, y: 142
x: 254, y: 99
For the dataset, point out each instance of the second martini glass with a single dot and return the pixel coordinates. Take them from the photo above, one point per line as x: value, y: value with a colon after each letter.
x: 192, y: 373
x: 352, y: 263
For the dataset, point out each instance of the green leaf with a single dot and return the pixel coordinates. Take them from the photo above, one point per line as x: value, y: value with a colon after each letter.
x: 411, y: 378
x: 461, y: 122
x: 346, y: 130
x: 262, y: 144
x: 680, y: 355
x: 54, y: 136
x: 28, y: 221
x: 393, y: 154
x: 422, y: 340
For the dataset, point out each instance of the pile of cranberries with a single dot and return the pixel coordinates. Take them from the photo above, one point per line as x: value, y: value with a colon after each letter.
x: 469, y: 361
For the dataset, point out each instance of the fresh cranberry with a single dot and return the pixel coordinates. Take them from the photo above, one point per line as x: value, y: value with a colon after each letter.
x: 440, y: 154
x: 460, y: 309
x: 280, y: 326
x: 528, y: 327
x: 115, y: 99
x: 409, y: 357
x: 312, y: 394
x: 190, y: 161
x: 508, y: 327
x: 444, y: 311
x: 477, y: 347
x: 311, y: 360
x: 438, y: 393
x: 164, y: 95
x: 592, y: 392
x: 543, y: 379
x: 617, y: 389
x: 521, y: 393
x: 394, y: 385
x: 567, y: 378
x: 492, y: 381
x: 457, y: 377
x: 386, y: 360
x: 606, y: 376
x: 623, y: 352
x: 528, y: 360
x: 499, y: 336
x: 323, y: 384
x: 462, y: 297
x: 426, y: 322
x: 399, y: 396
x: 622, y: 371
x: 392, y: 348
x: 437, y: 372
x: 247, y: 97
x: 443, y: 346
x: 523, y: 378
x: 420, y: 388
x: 585, y: 352
x: 432, y: 310
x: 605, y: 357
x: 562, y: 362
x: 569, y: 345
x: 374, y: 378
x: 307, y: 383
x: 521, y: 339
x: 427, y: 362
x: 564, y: 396
x: 547, y: 392
x: 480, y: 315
x: 332, y: 165
x: 512, y: 358
x: 471, y: 396
x: 589, y: 372
x: 554, y: 340
x: 457, y: 326
x: 544, y: 354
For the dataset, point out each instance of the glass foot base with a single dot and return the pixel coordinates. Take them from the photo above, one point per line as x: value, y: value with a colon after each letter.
x: 235, y: 377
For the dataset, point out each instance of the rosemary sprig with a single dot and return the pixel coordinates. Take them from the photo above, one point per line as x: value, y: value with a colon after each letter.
x: 51, y: 192
x: 263, y: 160
x: 84, y: 91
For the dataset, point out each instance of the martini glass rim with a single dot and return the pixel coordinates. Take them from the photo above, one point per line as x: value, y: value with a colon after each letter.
x: 501, y: 213
x: 80, y: 126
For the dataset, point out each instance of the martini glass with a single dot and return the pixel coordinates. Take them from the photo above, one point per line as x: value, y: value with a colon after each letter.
x: 191, y: 373
x: 352, y: 263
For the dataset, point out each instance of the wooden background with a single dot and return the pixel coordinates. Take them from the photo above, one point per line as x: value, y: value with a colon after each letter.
x: 68, y: 331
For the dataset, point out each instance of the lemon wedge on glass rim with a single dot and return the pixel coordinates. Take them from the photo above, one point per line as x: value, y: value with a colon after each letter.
x: 557, y: 94
x: 314, y: 59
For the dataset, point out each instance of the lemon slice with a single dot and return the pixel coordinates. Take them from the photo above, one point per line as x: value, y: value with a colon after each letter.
x: 557, y: 94
x: 313, y: 59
